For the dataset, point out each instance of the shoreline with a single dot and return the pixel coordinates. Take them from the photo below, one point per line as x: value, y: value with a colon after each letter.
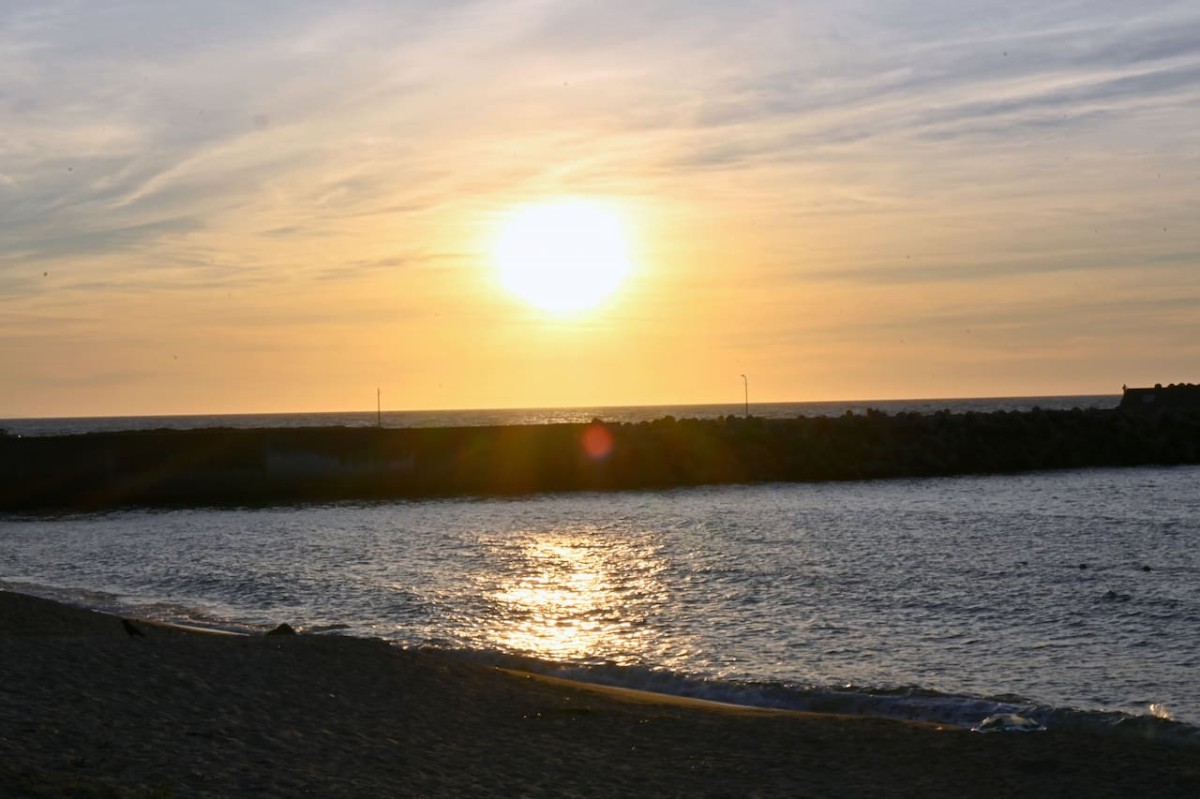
x: 90, y: 710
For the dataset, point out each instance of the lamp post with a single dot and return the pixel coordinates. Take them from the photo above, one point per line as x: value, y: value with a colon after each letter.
x: 746, y: 388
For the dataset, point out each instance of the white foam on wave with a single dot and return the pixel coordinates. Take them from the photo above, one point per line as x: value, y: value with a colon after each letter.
x: 1160, y: 711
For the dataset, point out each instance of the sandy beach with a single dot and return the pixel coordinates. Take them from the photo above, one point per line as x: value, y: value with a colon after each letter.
x: 87, y: 709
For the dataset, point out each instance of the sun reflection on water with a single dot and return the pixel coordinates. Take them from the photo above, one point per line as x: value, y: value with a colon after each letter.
x: 574, y: 594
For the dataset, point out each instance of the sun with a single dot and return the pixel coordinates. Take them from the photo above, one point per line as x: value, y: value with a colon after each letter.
x: 563, y: 257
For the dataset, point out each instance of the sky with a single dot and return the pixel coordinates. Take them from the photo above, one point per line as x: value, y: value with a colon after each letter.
x: 226, y: 207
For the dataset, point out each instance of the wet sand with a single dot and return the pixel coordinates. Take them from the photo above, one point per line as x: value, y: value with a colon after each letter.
x: 89, y: 710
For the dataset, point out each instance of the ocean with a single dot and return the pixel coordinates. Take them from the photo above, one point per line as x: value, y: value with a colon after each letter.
x: 510, y: 416
x: 1071, y: 598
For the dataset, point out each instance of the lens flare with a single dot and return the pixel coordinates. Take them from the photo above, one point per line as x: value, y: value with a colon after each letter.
x: 597, y: 442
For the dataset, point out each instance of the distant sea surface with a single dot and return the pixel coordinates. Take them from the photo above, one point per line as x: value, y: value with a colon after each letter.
x: 477, y: 418
x: 1071, y: 598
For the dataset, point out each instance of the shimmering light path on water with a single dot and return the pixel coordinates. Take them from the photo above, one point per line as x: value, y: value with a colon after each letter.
x: 1071, y: 589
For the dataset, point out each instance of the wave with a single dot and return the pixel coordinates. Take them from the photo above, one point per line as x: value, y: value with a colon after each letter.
x: 910, y: 703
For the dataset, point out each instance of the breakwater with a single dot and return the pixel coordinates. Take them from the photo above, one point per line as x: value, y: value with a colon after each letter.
x: 265, y: 466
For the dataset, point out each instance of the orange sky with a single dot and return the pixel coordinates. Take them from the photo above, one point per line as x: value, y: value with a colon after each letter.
x: 209, y: 209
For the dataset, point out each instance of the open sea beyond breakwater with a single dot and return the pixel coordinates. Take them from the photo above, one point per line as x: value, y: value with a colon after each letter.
x: 1072, y: 598
x: 516, y: 416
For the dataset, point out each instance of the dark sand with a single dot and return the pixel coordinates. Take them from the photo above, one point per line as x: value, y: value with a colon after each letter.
x: 87, y: 710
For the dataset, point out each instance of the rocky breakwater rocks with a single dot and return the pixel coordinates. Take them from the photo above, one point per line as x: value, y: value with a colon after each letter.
x: 269, y: 466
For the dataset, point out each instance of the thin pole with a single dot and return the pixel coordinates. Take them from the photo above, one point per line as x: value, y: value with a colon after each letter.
x: 746, y: 386
x: 378, y: 407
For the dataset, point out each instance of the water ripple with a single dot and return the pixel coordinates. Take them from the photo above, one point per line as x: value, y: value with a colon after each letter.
x: 1077, y: 589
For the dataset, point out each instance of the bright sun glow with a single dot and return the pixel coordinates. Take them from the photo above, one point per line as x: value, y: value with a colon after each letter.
x: 563, y: 257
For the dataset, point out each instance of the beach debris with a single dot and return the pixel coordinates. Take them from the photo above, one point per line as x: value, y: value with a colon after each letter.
x: 131, y: 630
x: 1007, y: 722
x: 282, y: 629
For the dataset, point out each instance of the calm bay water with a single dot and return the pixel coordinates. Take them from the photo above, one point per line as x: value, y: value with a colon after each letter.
x: 1063, y: 596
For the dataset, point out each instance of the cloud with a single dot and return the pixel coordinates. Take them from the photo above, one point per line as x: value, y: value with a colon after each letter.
x: 157, y: 152
x: 357, y: 269
x: 66, y: 243
x: 1079, y: 96
x: 916, y: 82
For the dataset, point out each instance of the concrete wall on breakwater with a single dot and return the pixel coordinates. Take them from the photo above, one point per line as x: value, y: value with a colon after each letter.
x: 246, y: 467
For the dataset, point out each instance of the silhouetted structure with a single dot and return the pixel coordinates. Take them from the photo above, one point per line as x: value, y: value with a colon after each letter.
x: 1175, y: 395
